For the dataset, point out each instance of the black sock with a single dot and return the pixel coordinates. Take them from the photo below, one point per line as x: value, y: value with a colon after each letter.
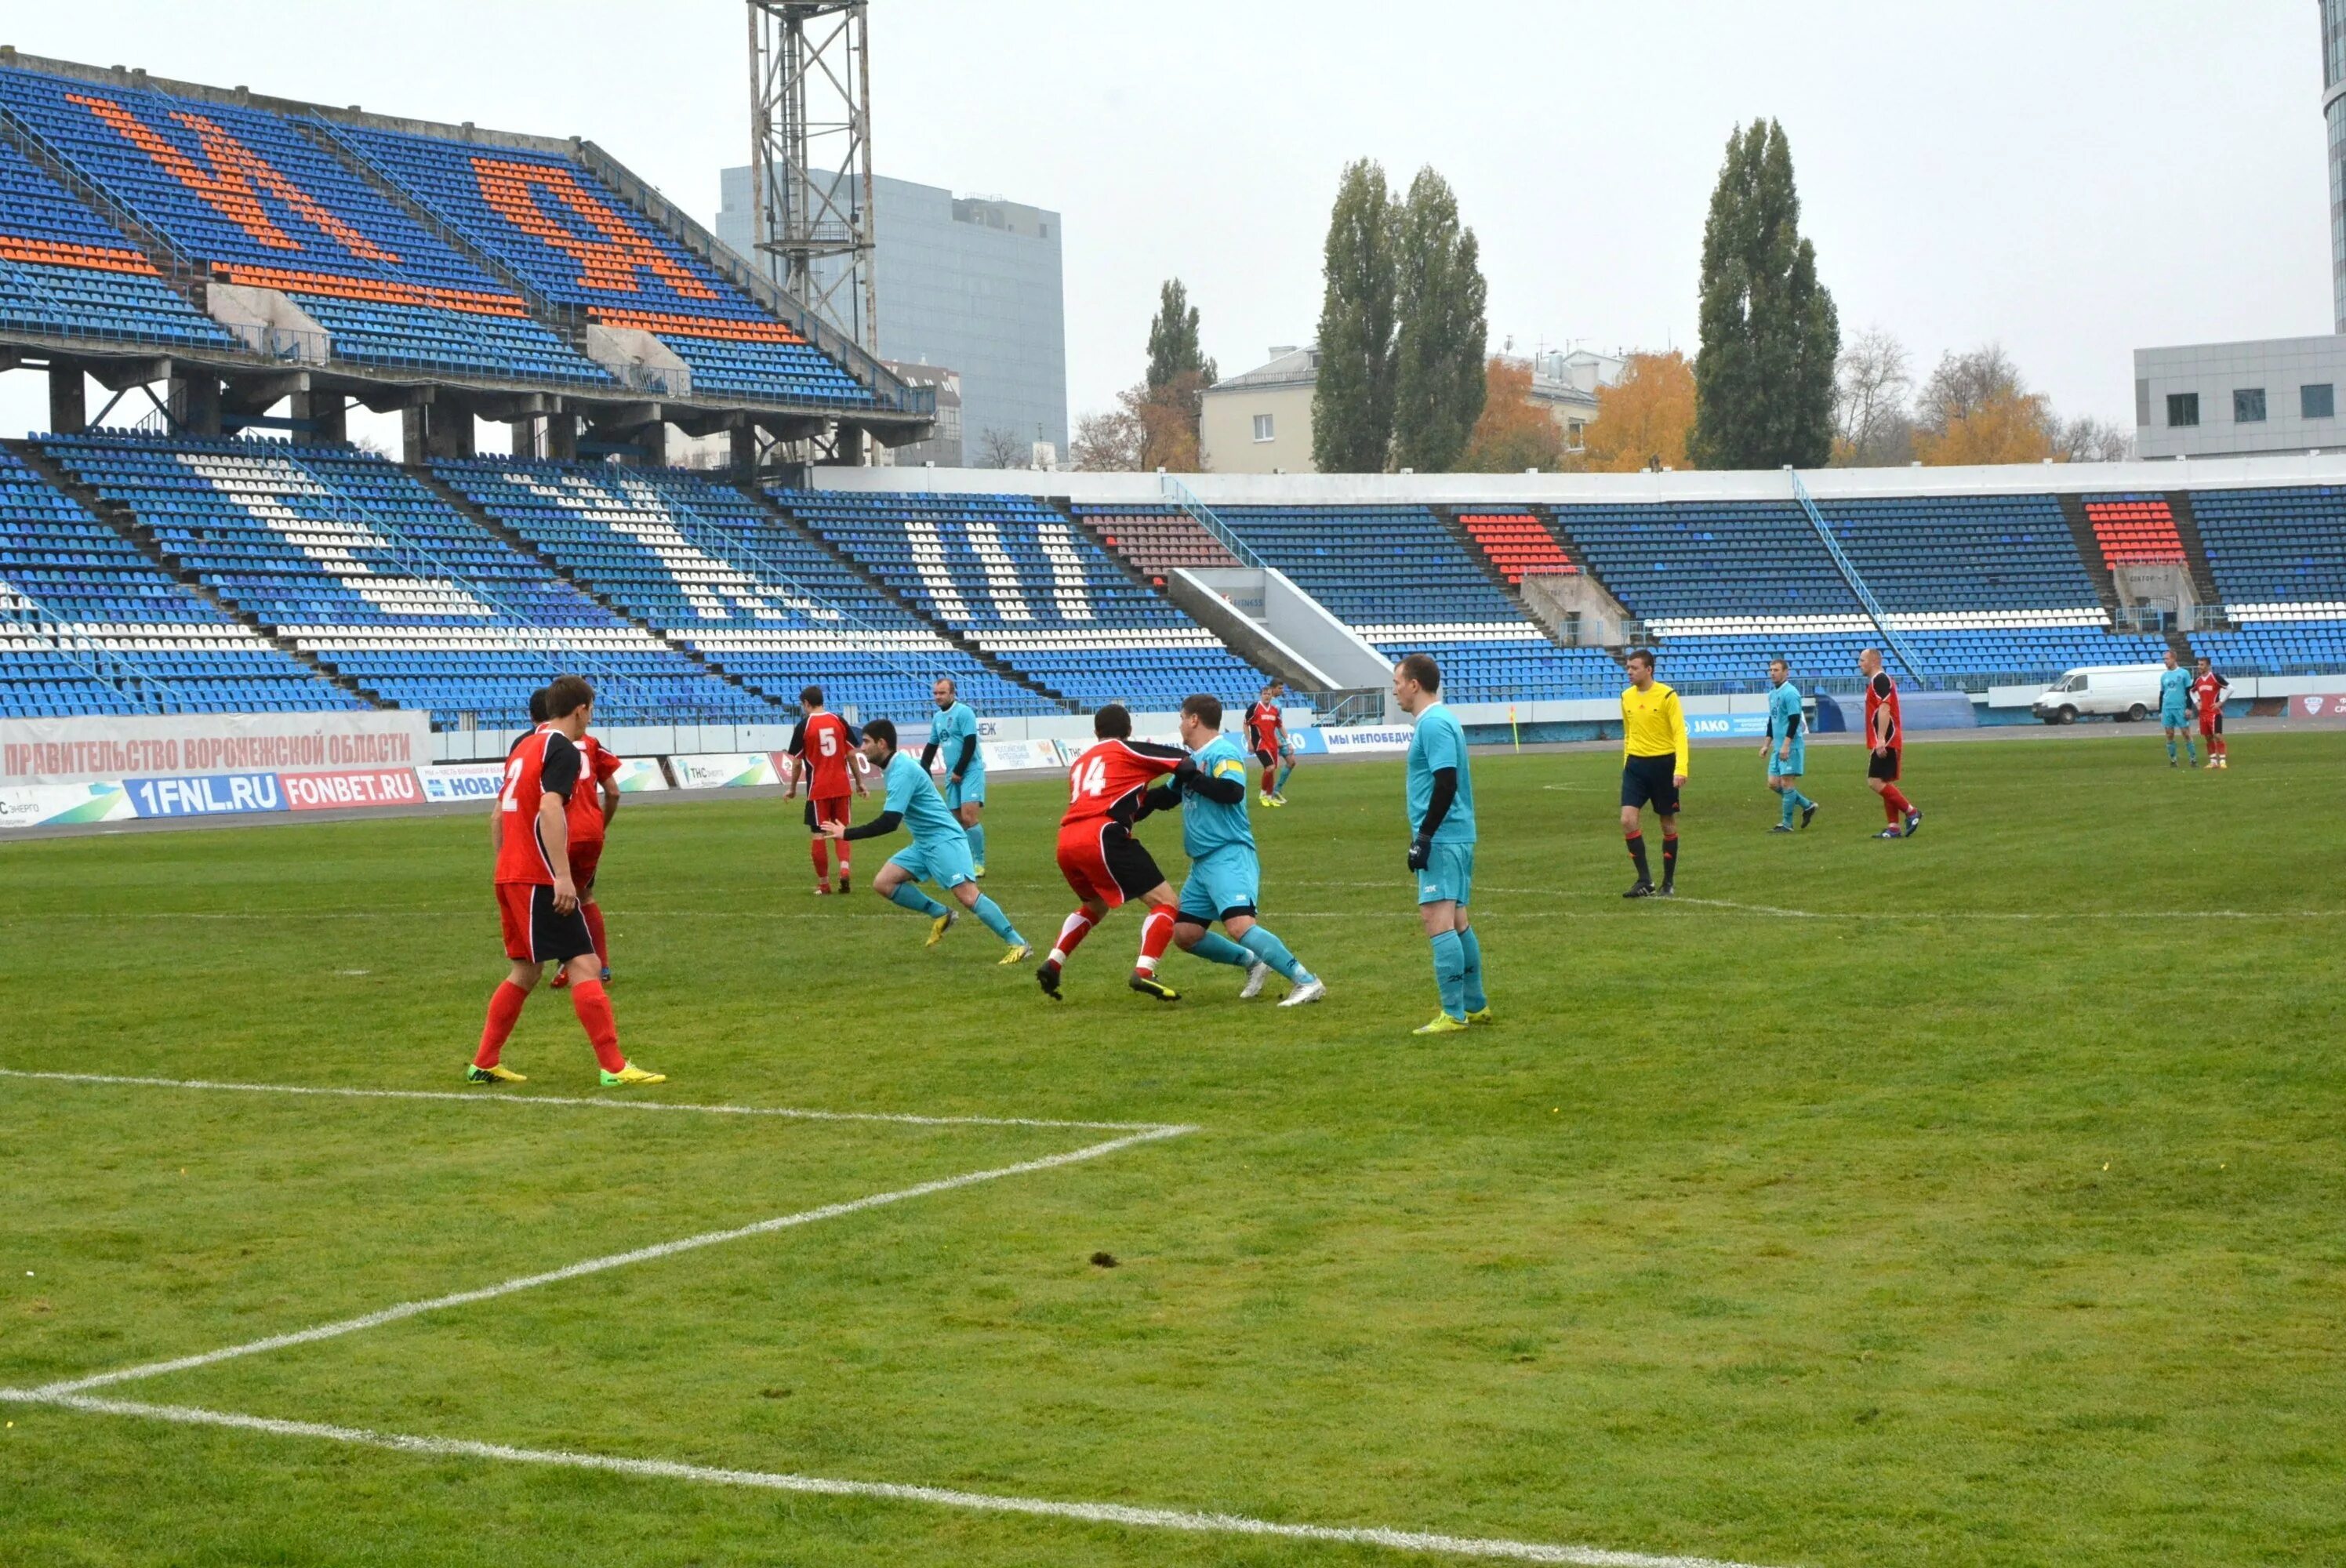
x: 1669, y: 859
x: 1638, y: 853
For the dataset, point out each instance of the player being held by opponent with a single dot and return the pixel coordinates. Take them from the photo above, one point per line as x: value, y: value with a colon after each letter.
x: 1788, y: 746
x: 538, y: 898
x: 1225, y: 873
x: 825, y: 746
x: 2175, y: 708
x: 1885, y: 735
x: 1653, y: 771
x: 954, y: 734
x: 939, y: 851
x: 1101, y: 859
x: 1441, y: 805
x: 1266, y: 732
x: 2207, y: 691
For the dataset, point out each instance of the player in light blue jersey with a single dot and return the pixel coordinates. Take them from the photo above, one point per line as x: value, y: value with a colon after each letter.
x: 1225, y: 875
x: 954, y: 734
x: 2175, y: 708
x: 1441, y: 844
x: 1788, y: 746
x: 939, y: 851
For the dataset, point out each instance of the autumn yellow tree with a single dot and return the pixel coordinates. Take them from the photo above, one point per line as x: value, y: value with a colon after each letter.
x: 1644, y: 418
x: 2004, y: 427
x: 1513, y: 432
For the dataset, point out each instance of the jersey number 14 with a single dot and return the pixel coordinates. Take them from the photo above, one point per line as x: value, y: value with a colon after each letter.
x: 1089, y: 781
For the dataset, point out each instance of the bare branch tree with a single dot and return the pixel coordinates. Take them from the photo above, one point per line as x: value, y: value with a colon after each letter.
x: 2086, y: 439
x: 1965, y: 384
x: 1110, y: 442
x: 1001, y: 448
x: 1872, y: 426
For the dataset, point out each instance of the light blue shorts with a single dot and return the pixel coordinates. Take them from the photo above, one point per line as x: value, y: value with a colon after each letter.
x: 2174, y: 719
x: 944, y: 861
x: 1227, y: 882
x: 970, y: 791
x: 1449, y: 874
x: 1793, y: 766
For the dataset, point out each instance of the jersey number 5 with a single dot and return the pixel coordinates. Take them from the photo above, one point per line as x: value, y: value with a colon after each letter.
x: 829, y: 742
x: 1091, y: 781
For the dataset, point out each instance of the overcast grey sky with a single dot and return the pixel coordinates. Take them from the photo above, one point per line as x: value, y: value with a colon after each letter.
x: 2074, y: 177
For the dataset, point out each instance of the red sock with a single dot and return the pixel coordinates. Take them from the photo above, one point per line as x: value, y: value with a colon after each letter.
x: 1156, y: 936
x: 1895, y: 801
x: 505, y: 1011
x: 594, y: 913
x: 1072, y: 932
x: 593, y: 1006
x: 821, y: 848
x: 844, y: 873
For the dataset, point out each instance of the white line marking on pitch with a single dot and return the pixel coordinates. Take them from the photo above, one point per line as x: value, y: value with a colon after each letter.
x: 503, y: 1097
x: 885, y: 1492
x: 600, y: 1264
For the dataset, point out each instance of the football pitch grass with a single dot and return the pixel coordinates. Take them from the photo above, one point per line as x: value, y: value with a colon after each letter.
x: 1967, y: 1200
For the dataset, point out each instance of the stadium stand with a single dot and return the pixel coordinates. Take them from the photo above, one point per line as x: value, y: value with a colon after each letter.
x: 1382, y: 569
x: 1030, y: 587
x: 66, y: 271
x: 1156, y: 540
x: 250, y: 199
x: 733, y: 582
x: 2279, y: 558
x: 2136, y: 531
x: 89, y: 624
x: 364, y: 568
x: 1518, y: 545
x: 570, y: 237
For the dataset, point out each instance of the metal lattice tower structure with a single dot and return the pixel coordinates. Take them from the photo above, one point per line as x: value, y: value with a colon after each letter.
x: 810, y: 157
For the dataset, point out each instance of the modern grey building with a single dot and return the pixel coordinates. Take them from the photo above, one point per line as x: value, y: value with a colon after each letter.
x: 969, y: 284
x: 2272, y: 395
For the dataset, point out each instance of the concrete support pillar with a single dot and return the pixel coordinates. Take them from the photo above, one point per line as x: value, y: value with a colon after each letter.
x: 68, y: 398
x: 745, y: 453
x: 436, y: 430
x: 195, y: 401
x: 528, y: 435
x: 328, y: 413
x: 561, y: 437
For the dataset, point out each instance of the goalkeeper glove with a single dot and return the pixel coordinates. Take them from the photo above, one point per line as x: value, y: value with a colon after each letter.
x: 1421, y: 850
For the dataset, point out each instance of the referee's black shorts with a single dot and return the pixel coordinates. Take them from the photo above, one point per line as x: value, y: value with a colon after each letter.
x: 1651, y: 781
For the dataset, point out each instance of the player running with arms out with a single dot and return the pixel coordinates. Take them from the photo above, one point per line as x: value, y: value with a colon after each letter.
x: 1653, y: 771
x: 825, y: 746
x: 956, y: 735
x: 1266, y: 733
x: 1440, y: 803
x: 1885, y: 735
x: 1225, y: 874
x: 2207, y: 691
x: 1788, y: 746
x: 1103, y: 863
x: 537, y: 899
x: 939, y: 851
x: 2175, y: 708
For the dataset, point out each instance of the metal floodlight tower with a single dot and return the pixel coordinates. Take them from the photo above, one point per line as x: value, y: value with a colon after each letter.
x: 810, y: 157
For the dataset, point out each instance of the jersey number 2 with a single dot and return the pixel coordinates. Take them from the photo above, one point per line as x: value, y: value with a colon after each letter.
x: 512, y: 782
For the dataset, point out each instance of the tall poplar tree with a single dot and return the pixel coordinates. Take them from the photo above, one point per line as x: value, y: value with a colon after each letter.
x: 1173, y: 350
x: 1764, y: 376
x: 1352, y: 404
x: 1439, y: 377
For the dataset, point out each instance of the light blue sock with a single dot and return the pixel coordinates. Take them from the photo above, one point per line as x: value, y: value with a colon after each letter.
x: 1791, y: 798
x: 986, y: 910
x: 1284, y: 770
x: 1449, y: 972
x: 1216, y: 948
x: 977, y: 843
x: 1471, y: 977
x: 1267, y: 947
x: 1805, y: 803
x: 910, y: 897
x: 2171, y: 750
x: 2191, y: 750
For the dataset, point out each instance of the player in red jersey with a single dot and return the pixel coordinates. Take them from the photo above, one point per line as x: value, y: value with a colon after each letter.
x: 1106, y: 865
x: 1265, y: 734
x: 2207, y: 691
x: 537, y: 900
x: 825, y: 746
x: 592, y: 806
x: 1885, y: 735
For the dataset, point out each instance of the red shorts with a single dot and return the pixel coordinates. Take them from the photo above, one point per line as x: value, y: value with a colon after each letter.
x: 2211, y: 722
x: 534, y: 934
x: 584, y: 858
x: 1103, y: 861
x: 822, y: 808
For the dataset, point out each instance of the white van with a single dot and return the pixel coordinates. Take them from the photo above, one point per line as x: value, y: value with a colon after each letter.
x: 2126, y: 692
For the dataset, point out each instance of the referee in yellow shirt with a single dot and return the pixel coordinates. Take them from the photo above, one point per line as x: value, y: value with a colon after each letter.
x: 1653, y: 770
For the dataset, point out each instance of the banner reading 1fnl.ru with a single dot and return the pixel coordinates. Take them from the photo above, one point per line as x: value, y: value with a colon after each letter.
x: 85, y: 751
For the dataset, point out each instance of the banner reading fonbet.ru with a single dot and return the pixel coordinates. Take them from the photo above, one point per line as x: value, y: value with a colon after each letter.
x: 90, y: 750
